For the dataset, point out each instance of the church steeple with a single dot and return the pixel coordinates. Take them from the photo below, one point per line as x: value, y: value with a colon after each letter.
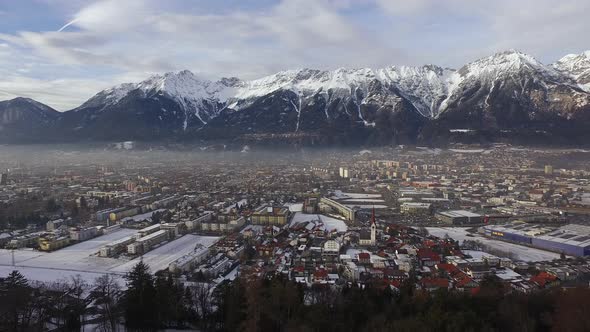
x: 373, y: 228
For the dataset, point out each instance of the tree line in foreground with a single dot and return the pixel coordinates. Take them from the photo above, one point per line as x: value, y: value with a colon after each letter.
x: 151, y: 303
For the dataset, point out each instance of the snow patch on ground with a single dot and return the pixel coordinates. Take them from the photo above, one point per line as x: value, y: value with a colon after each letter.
x: 327, y: 223
x: 81, y: 259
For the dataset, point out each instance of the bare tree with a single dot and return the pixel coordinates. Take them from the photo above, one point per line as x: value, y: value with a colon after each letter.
x: 78, y: 290
x: 201, y: 293
x: 106, y: 294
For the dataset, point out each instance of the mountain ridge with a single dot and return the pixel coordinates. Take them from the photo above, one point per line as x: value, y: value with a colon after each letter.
x: 502, y: 92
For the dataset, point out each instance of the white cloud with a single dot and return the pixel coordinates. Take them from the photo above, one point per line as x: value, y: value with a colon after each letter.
x: 55, y: 93
x: 113, y: 41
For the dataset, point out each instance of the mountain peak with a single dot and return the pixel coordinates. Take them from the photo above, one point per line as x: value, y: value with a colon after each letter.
x: 577, y: 67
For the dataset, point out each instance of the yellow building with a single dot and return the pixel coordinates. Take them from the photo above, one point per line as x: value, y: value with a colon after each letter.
x: 270, y: 216
x: 52, y: 243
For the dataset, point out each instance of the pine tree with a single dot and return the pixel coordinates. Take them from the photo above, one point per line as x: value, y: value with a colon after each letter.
x: 15, y: 299
x: 139, y: 301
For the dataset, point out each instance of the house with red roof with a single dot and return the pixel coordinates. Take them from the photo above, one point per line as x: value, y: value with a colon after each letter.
x: 432, y: 284
x: 544, y: 280
x: 427, y: 257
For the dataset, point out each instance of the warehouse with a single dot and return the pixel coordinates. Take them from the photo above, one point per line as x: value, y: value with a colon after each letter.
x: 459, y: 217
x: 571, y: 239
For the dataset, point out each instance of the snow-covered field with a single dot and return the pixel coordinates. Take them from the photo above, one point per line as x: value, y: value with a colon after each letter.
x: 328, y: 223
x: 521, y: 252
x: 81, y: 259
x: 162, y: 256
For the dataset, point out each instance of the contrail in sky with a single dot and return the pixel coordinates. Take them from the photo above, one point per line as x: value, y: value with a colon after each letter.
x: 67, y: 25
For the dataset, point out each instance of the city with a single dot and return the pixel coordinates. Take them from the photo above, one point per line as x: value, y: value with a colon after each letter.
x: 294, y: 166
x: 438, y: 218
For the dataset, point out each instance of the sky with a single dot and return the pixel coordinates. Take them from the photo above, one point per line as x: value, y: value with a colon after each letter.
x: 61, y: 52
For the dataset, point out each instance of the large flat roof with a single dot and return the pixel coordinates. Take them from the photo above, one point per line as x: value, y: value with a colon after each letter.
x: 459, y: 213
x: 573, y: 234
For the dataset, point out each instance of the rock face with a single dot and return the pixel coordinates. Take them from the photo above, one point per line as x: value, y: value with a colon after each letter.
x: 507, y: 96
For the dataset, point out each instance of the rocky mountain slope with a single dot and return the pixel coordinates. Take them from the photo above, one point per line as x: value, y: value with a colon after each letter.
x: 506, y: 95
x: 25, y: 120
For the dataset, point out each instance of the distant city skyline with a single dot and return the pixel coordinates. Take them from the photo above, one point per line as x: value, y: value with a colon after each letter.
x: 61, y: 52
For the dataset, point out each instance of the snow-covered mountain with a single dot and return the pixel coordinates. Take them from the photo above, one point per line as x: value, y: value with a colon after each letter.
x: 506, y: 92
x: 423, y: 86
x: 197, y: 97
x: 577, y: 67
x: 517, y: 77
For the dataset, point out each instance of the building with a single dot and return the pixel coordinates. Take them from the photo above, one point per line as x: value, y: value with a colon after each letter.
x: 172, y: 228
x: 189, y: 261
x: 459, y: 217
x: 331, y: 249
x: 195, y: 224
x: 3, y: 179
x: 118, y: 215
x: 223, y: 224
x: 146, y: 243
x: 54, y: 224
x: 83, y: 234
x: 369, y: 238
x: 409, y: 207
x: 116, y: 247
x: 572, y: 239
x: 327, y: 205
x: 548, y: 169
x: 148, y: 230
x: 343, y: 172
x: 271, y: 216
x: 23, y: 241
x: 50, y: 243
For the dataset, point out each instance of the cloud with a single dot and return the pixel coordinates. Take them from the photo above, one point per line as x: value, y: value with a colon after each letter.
x: 544, y: 28
x: 56, y: 93
x: 113, y: 41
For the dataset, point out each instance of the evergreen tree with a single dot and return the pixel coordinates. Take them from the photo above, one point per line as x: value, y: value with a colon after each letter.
x: 140, y: 304
x: 15, y: 301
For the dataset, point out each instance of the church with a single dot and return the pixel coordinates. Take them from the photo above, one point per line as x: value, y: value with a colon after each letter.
x: 368, y: 237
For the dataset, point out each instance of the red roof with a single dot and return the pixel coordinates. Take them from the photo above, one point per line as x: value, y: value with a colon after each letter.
x: 320, y: 274
x: 435, y: 282
x: 543, y: 279
x: 395, y: 283
x: 364, y: 255
x: 463, y: 282
x: 425, y: 253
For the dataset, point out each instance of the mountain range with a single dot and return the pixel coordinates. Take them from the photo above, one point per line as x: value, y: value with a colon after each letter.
x: 509, y: 96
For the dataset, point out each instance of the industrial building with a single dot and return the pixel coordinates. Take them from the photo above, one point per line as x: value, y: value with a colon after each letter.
x: 459, y: 217
x: 570, y: 239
